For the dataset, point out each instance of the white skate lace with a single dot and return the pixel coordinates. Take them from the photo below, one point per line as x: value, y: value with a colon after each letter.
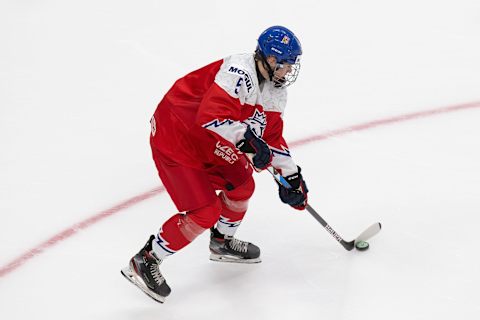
x: 238, y: 245
x: 155, y: 272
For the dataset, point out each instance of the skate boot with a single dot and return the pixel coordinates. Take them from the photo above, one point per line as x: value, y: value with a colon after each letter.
x: 143, y: 271
x: 228, y: 249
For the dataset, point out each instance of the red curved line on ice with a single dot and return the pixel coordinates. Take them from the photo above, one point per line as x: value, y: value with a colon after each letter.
x: 383, y: 122
x: 67, y: 233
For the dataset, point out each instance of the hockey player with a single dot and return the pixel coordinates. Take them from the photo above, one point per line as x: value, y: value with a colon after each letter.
x: 201, y: 131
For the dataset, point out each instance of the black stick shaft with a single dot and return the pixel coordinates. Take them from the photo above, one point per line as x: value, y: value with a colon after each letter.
x: 347, y: 245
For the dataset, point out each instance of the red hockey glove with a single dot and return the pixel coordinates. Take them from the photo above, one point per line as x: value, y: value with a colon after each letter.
x: 297, y: 195
x: 255, y: 145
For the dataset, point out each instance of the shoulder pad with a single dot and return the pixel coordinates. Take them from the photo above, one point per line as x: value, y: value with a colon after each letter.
x: 237, y: 76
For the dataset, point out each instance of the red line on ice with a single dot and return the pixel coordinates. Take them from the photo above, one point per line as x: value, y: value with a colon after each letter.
x: 67, y: 233
x: 385, y: 121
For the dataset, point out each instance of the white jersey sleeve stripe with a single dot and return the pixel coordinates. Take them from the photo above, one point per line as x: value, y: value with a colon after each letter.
x: 230, y: 130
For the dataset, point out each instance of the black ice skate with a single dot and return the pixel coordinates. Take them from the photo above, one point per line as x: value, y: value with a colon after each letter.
x: 143, y: 271
x: 228, y: 249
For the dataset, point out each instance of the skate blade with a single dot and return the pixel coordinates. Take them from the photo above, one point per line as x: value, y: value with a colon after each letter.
x: 231, y: 259
x: 133, y: 278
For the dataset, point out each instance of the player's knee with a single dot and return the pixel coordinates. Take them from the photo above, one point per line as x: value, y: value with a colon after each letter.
x: 242, y: 192
x: 230, y: 205
x: 207, y: 216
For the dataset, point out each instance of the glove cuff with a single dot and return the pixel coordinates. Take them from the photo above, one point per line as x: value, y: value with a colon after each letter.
x: 295, y: 179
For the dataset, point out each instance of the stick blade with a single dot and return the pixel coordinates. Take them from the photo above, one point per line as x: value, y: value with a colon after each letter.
x: 369, y: 232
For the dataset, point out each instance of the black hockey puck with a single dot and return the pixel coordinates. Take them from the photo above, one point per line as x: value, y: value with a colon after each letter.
x: 362, y: 245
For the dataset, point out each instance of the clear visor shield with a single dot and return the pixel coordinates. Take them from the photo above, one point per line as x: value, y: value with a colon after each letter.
x: 285, y: 73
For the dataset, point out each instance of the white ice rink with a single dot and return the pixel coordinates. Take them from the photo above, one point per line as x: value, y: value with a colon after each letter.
x: 79, y: 81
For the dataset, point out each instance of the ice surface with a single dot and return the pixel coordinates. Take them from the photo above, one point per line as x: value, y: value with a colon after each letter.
x: 80, y: 80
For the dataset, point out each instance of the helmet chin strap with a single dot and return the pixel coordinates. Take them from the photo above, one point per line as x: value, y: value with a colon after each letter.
x: 265, y: 65
x: 270, y: 71
x: 277, y: 82
x: 260, y: 77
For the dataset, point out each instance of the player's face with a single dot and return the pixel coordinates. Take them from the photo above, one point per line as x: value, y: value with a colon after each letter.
x: 281, y: 70
x: 284, y: 74
x: 280, y: 73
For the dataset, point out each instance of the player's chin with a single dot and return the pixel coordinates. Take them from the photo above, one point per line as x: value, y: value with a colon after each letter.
x: 279, y: 82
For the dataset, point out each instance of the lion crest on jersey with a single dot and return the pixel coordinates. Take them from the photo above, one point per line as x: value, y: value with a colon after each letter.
x: 257, y: 122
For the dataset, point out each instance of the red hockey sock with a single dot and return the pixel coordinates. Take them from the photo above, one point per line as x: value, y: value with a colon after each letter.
x: 181, y: 229
x: 232, y: 214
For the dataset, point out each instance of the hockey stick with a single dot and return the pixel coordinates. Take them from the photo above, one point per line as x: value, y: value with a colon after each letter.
x: 365, y: 235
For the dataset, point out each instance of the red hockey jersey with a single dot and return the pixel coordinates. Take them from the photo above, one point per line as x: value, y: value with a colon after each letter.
x: 205, y: 114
